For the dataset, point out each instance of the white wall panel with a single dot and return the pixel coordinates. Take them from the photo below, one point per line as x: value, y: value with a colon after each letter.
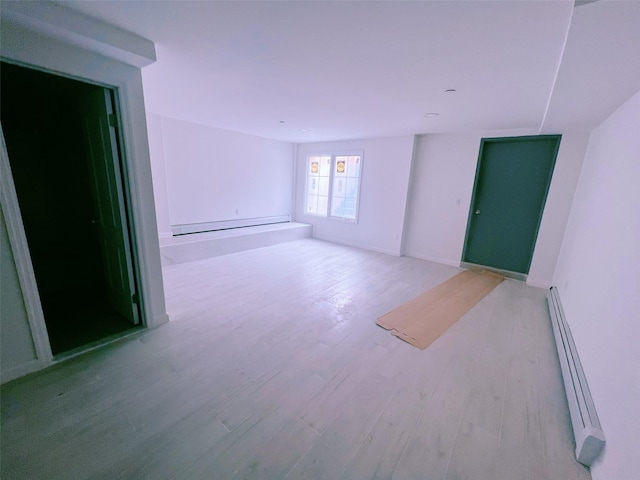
x: 598, y: 277
x: 158, y: 172
x: 558, y: 206
x: 218, y: 175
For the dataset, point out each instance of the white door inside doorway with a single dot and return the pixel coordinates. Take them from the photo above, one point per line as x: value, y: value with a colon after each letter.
x: 98, y: 120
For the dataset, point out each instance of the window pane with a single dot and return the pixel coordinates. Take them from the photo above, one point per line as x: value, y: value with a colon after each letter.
x: 339, y: 187
x: 346, y: 180
x: 313, y: 168
x: 352, y: 188
x: 323, y: 186
x: 337, y: 207
x: 317, y: 205
x: 323, y: 204
x: 353, y: 166
x: 341, y: 166
x: 313, y: 184
x: 312, y: 204
x: 325, y: 166
x: 344, y: 207
x: 318, y: 175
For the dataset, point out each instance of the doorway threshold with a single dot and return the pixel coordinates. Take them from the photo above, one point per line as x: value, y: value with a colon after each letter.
x: 103, y: 342
x: 505, y: 273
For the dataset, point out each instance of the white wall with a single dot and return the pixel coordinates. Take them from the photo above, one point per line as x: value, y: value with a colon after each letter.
x: 598, y: 276
x: 441, y: 187
x: 219, y: 175
x: 440, y: 196
x: 557, y: 208
x: 156, y: 152
x: 383, y: 193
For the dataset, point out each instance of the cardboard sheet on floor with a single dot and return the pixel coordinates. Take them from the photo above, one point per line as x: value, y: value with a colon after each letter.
x: 422, y: 320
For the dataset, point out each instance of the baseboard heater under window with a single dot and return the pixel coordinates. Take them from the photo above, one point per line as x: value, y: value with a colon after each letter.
x: 584, y: 419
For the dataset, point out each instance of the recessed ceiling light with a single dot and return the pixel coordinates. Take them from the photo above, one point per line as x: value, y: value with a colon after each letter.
x: 431, y: 115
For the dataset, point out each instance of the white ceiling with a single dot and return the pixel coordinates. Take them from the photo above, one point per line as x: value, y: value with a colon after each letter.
x: 338, y: 70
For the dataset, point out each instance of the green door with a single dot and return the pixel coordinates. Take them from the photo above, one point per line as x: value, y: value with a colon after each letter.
x: 511, y: 185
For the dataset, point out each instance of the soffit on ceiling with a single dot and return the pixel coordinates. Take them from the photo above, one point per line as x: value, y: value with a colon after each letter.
x: 600, y: 66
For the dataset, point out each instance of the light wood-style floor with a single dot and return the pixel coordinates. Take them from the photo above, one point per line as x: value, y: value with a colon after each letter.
x: 273, y: 368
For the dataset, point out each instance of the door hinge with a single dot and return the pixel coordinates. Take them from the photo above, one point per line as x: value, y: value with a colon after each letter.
x: 135, y: 298
x: 113, y: 120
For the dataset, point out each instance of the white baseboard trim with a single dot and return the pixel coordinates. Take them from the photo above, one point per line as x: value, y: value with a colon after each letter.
x: 538, y: 284
x: 21, y: 370
x: 443, y: 261
x: 395, y: 253
x: 159, y: 320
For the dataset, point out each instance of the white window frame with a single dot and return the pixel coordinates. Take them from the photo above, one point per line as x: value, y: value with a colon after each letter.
x: 333, y: 156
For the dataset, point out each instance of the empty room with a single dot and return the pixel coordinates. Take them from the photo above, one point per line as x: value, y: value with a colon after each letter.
x: 320, y: 239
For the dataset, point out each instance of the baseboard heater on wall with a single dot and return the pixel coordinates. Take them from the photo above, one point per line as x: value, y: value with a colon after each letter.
x: 227, y: 224
x: 584, y: 419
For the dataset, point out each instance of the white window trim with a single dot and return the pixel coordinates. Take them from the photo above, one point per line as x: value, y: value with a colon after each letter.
x: 333, y: 155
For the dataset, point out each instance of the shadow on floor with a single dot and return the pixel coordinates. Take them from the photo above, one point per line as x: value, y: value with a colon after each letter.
x: 75, y: 319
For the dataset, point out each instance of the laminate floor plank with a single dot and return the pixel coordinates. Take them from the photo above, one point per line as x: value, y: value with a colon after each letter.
x: 273, y: 367
x: 428, y: 452
x: 477, y: 441
x: 237, y: 450
x: 170, y: 451
x: 377, y: 459
x: 329, y: 403
x: 520, y: 445
x: 280, y: 453
x: 334, y: 449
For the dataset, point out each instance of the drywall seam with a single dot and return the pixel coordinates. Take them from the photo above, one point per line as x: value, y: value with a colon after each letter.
x: 555, y: 76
